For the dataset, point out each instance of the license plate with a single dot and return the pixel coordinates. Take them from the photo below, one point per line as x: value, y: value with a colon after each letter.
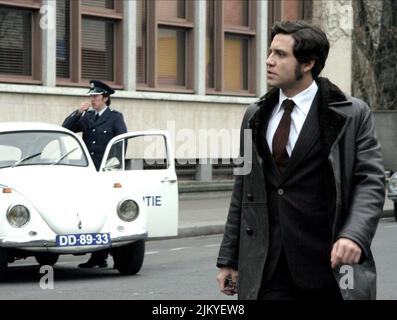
x: 84, y: 239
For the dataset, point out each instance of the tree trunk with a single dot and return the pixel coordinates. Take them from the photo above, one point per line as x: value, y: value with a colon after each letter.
x: 375, y: 53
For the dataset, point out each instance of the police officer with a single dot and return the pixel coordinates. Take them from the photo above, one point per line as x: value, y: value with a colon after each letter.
x: 99, y: 125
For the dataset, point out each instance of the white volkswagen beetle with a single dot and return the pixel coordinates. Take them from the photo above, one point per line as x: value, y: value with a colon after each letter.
x: 53, y: 201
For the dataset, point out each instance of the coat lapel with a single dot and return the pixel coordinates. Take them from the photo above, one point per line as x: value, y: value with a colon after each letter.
x: 258, y: 123
x: 89, y: 119
x: 260, y: 119
x: 331, y: 122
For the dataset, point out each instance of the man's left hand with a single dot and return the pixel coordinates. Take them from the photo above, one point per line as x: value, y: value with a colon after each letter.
x: 345, y: 251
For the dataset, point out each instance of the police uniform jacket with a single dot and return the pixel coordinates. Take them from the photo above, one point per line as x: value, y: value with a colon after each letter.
x: 96, y: 134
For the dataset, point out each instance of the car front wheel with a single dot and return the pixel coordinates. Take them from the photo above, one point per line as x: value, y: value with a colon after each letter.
x: 128, y: 259
x: 3, y: 263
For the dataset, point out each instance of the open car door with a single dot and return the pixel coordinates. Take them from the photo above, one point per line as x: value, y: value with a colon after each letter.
x: 143, y: 162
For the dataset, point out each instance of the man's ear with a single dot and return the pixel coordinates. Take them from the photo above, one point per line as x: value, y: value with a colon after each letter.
x: 307, y: 66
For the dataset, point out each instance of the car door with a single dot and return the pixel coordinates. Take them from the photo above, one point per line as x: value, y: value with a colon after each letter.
x: 143, y: 161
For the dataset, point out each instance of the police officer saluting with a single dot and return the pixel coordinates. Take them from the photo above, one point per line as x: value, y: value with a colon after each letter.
x: 99, y: 125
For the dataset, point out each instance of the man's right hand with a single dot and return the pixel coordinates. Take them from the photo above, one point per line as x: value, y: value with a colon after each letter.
x: 227, y: 280
x: 84, y: 107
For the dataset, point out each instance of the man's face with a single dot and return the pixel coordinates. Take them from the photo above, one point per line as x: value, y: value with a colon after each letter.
x: 283, y: 70
x: 98, y: 101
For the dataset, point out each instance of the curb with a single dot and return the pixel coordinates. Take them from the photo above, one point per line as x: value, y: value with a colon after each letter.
x: 195, y: 231
x: 190, y: 187
x: 219, y: 228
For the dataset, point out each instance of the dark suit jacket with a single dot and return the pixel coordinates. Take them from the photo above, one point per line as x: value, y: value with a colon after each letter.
x: 96, y: 134
x: 299, y: 214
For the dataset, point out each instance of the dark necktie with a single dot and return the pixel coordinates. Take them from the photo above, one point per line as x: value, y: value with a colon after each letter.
x: 96, y: 117
x: 280, y: 138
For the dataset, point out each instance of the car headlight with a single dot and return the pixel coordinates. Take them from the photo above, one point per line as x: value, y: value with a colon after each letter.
x: 128, y: 210
x: 393, y: 184
x: 18, y: 215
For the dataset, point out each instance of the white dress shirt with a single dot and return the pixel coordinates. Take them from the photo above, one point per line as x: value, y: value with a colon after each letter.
x: 303, y: 102
x: 101, y: 112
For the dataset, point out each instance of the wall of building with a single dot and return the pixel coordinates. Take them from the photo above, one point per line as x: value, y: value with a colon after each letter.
x: 191, y: 118
x: 385, y: 122
x: 200, y: 127
x: 336, y: 19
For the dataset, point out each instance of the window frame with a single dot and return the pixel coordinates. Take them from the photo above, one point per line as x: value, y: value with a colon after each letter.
x: 279, y: 10
x: 274, y: 14
x: 77, y: 13
x: 220, y: 30
x: 306, y: 10
x: 153, y: 23
x: 36, y: 39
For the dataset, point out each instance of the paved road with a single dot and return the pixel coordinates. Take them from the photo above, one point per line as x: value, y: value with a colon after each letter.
x: 181, y: 269
x: 384, y: 248
x: 173, y: 269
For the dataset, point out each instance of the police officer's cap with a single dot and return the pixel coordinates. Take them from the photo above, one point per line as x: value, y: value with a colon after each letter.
x: 98, y: 87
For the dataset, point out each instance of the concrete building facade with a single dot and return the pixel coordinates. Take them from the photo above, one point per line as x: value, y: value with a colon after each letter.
x: 191, y: 69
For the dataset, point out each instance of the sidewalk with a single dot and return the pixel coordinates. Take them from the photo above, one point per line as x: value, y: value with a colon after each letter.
x: 204, y: 213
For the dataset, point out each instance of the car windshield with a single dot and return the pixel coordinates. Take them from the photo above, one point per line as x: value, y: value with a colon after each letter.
x: 40, y: 148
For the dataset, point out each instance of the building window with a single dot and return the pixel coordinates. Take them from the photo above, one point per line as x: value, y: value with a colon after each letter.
x: 107, y: 4
x: 209, y: 44
x: 141, y: 35
x: 86, y: 48
x: 15, y: 42
x: 171, y: 53
x: 274, y: 15
x: 236, y: 63
x: 288, y: 10
x: 236, y: 13
x: 97, y: 59
x: 306, y: 10
x: 165, y: 45
x: 63, y: 38
x: 20, y: 41
x: 231, y: 47
x: 172, y: 9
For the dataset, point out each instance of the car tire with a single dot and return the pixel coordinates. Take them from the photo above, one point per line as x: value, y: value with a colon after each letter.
x: 128, y: 259
x: 46, y: 258
x: 3, y: 263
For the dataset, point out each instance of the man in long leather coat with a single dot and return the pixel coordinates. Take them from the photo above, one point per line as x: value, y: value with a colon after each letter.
x: 301, y: 222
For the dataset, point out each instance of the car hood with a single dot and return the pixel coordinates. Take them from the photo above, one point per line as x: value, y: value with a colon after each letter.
x: 69, y: 199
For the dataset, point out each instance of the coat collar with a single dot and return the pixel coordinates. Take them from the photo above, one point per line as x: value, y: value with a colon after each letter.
x: 331, y: 122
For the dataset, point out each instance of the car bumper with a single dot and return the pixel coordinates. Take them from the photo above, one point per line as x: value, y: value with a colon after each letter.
x: 51, y: 246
